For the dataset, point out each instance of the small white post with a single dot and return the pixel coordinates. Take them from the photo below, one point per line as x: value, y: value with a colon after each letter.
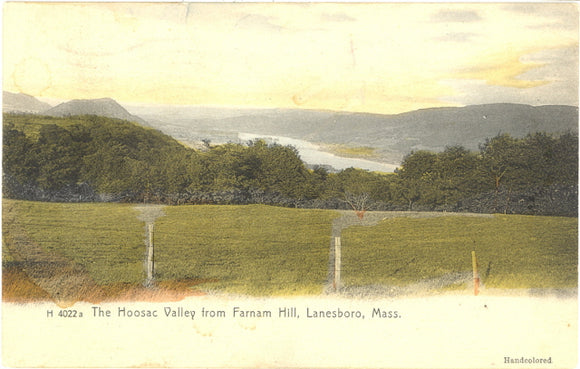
x: 475, y: 274
x: 150, y: 270
x: 337, y: 266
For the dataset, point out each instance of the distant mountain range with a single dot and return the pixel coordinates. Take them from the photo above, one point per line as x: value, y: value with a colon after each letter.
x: 22, y: 103
x: 106, y: 107
x: 391, y: 136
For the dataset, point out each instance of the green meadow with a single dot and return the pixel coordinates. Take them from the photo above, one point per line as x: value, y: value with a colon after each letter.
x: 251, y: 249
x: 107, y: 240
x: 352, y: 151
x: 265, y: 250
x: 513, y: 251
x: 254, y: 249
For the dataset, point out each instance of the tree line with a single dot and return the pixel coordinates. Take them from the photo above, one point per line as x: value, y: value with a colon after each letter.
x: 91, y: 158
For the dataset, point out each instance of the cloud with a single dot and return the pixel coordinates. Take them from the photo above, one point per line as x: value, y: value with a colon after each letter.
x: 559, y: 66
x: 367, y: 57
x: 470, y: 92
x: 554, y: 26
x: 457, y: 37
x: 543, y: 9
x: 505, y: 69
x: 561, y: 17
x: 456, y: 16
x: 553, y: 81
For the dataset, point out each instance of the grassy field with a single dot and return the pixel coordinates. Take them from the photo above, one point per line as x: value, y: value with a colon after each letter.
x: 256, y: 249
x: 351, y: 151
x: 107, y: 240
x: 251, y: 249
x: 513, y: 251
x: 264, y: 250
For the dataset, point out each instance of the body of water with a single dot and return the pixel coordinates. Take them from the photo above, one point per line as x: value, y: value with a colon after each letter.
x: 313, y: 154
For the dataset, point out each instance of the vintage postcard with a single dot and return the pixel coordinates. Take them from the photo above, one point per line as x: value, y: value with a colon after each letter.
x: 290, y: 185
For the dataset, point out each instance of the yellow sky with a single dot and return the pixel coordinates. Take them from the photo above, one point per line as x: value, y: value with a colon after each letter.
x: 384, y: 58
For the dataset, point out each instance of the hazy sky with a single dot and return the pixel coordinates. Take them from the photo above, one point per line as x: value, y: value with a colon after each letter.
x: 384, y: 58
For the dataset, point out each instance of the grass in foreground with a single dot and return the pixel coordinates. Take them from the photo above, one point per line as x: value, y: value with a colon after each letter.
x: 255, y: 249
x: 259, y: 250
x: 513, y: 251
x: 263, y: 250
x: 107, y: 240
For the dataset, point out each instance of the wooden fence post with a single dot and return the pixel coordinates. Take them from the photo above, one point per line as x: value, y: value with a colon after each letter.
x: 337, y: 266
x: 475, y: 274
x: 150, y: 255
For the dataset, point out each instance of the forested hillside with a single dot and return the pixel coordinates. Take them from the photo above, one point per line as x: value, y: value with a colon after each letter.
x: 391, y: 136
x: 90, y: 158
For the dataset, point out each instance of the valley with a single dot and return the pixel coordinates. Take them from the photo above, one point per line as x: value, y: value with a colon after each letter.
x: 391, y: 137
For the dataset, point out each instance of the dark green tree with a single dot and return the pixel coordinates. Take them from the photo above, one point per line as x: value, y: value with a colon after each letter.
x: 418, y: 176
x: 19, y: 157
x: 58, y: 157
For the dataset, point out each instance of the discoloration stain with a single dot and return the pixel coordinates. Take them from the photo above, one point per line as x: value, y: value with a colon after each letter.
x: 249, y: 326
x: 32, y: 76
x: 204, y: 331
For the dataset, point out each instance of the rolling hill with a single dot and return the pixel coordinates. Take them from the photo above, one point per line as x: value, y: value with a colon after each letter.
x: 22, y: 103
x: 105, y: 107
x: 393, y: 136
